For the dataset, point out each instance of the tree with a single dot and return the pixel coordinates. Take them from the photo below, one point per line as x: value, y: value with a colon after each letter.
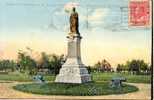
x: 89, y: 69
x: 119, y: 68
x: 136, y: 66
x: 12, y: 65
x: 149, y: 70
x: 44, y: 61
x: 7, y: 65
x: 143, y: 65
x: 102, y: 66
x: 26, y: 63
x: 56, y: 63
x: 106, y: 66
x: 4, y: 65
x: 98, y: 66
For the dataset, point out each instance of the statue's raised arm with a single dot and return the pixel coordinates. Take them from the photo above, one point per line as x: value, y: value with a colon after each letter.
x: 74, y: 24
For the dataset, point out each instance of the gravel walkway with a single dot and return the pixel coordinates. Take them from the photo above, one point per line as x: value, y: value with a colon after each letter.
x: 6, y: 91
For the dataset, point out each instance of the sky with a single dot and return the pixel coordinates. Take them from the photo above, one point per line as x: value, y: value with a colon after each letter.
x: 43, y: 25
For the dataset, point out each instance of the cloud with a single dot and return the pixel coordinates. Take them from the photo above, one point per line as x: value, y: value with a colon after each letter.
x: 60, y: 12
x: 68, y: 7
x: 97, y: 16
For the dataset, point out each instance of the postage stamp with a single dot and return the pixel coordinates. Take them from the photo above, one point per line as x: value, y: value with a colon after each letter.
x: 139, y: 13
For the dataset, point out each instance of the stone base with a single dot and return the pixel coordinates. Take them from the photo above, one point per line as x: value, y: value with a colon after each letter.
x: 73, y: 74
x: 73, y: 70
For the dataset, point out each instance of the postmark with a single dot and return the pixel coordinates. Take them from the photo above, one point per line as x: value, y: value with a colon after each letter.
x: 139, y: 13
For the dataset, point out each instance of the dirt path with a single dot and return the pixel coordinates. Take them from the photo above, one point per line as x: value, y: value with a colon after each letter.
x: 6, y: 91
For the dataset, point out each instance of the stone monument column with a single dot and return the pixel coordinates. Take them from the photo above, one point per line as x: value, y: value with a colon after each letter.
x: 73, y: 70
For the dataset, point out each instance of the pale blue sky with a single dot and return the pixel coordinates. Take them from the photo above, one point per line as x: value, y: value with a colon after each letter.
x: 46, y: 20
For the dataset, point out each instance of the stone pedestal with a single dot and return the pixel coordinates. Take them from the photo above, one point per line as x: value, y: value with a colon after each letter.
x: 73, y: 70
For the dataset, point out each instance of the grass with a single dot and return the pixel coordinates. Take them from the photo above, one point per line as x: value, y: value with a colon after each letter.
x: 22, y: 77
x: 100, y: 86
x: 98, y: 77
x: 86, y: 89
x: 130, y: 78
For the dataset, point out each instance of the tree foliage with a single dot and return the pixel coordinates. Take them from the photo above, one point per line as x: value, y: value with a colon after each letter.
x: 103, y: 66
x: 56, y: 63
x: 51, y: 62
x: 26, y: 63
x: 7, y: 65
x: 135, y: 66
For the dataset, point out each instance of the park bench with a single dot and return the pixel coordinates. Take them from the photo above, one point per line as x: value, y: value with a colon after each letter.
x: 39, y: 79
x: 117, y: 81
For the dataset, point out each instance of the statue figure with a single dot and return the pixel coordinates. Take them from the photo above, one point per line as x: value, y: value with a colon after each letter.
x: 73, y: 70
x: 74, y: 24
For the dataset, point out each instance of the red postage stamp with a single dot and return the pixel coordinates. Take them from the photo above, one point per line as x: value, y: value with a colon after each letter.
x: 139, y: 13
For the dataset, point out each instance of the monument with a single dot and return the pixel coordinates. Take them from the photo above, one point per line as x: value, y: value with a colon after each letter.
x: 73, y: 70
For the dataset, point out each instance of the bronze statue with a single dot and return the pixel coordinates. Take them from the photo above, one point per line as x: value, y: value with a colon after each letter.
x: 74, y: 24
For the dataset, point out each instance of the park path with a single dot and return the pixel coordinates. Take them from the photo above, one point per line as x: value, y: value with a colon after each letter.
x: 6, y: 91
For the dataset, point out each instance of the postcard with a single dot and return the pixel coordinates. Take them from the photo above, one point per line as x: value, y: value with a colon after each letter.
x: 76, y: 49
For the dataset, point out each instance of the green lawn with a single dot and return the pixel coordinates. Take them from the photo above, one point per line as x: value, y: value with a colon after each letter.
x: 23, y: 77
x: 86, y: 89
x: 130, y: 78
x: 99, y: 77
